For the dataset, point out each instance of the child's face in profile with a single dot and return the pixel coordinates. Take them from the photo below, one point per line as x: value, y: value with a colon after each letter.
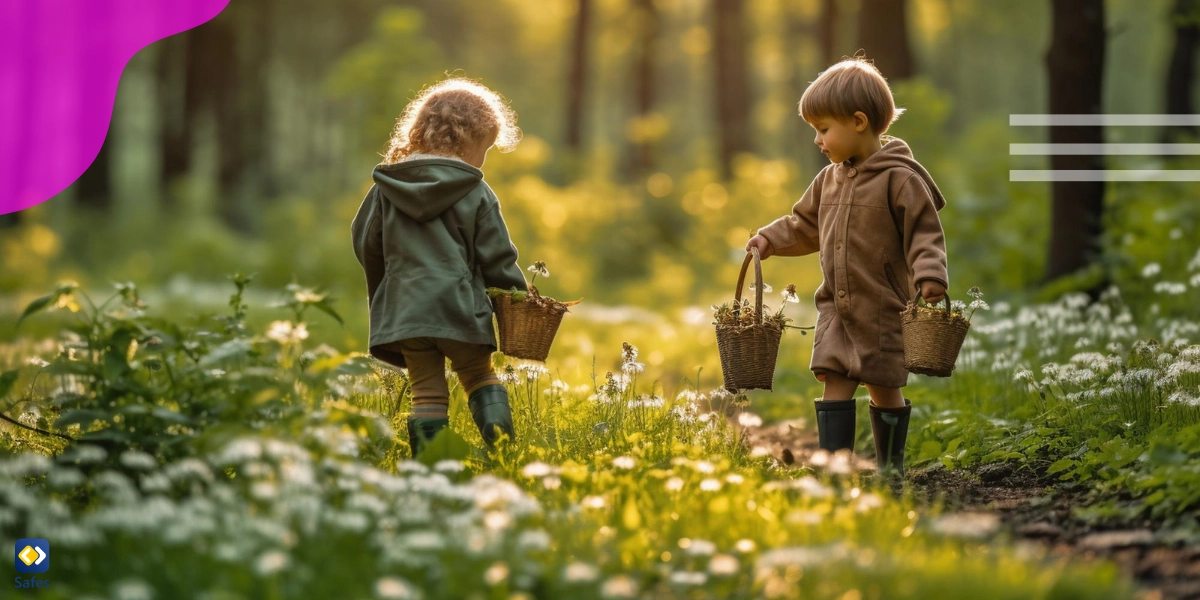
x: 840, y: 138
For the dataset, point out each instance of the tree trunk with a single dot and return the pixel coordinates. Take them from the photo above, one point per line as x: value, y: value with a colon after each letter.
x: 645, y: 78
x: 93, y: 189
x: 577, y: 77
x: 731, y: 80
x: 178, y: 103
x: 827, y: 32
x: 10, y: 220
x: 242, y: 118
x: 1181, y: 72
x: 883, y: 33
x: 1075, y: 65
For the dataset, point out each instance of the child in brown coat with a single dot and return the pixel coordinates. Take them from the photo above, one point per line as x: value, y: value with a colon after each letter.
x: 872, y: 216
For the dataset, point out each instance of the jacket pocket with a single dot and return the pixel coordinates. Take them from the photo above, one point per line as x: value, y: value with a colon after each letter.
x: 892, y: 280
x: 891, y: 332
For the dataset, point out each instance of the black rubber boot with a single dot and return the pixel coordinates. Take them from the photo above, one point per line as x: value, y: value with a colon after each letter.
x: 489, y: 407
x: 890, y: 427
x: 835, y: 424
x: 423, y: 429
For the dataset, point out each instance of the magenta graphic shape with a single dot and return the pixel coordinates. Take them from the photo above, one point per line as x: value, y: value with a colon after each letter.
x: 60, y: 63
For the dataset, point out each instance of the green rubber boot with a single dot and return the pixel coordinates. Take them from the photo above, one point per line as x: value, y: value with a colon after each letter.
x: 423, y: 429
x: 835, y: 424
x: 890, y: 427
x: 489, y: 407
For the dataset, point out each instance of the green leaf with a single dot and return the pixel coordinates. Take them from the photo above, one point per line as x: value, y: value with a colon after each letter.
x: 37, y: 305
x: 324, y: 307
x: 446, y: 445
x: 7, y: 380
x: 83, y: 417
x: 1060, y: 465
x: 929, y: 450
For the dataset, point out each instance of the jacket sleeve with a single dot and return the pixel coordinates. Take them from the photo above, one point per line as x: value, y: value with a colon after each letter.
x: 495, y: 253
x: 924, y: 241
x: 366, y: 232
x: 797, y: 234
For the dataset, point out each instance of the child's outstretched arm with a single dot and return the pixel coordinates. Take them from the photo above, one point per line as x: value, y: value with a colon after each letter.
x: 494, y: 251
x: 367, y: 233
x: 797, y: 234
x: 924, y: 241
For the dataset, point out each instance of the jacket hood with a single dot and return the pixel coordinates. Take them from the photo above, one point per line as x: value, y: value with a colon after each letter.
x: 896, y: 154
x: 424, y: 188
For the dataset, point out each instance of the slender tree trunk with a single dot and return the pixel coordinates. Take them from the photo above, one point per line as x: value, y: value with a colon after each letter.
x: 827, y: 32
x: 577, y: 76
x: 178, y: 102
x: 1075, y: 65
x: 241, y: 119
x: 1181, y: 72
x: 731, y: 80
x: 883, y: 33
x: 645, y: 80
x: 93, y: 189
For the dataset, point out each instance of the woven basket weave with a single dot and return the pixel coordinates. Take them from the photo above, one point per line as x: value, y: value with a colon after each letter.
x: 748, y: 353
x: 526, y: 329
x: 931, y: 339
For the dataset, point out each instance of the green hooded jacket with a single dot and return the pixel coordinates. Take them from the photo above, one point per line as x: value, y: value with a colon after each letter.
x: 430, y: 237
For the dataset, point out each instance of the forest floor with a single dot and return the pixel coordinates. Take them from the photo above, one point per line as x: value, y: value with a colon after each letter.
x: 1034, y: 511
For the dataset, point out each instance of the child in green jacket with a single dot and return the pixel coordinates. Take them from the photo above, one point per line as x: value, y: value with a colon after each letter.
x: 431, y: 240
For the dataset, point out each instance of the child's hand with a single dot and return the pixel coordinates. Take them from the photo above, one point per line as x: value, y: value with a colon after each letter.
x: 764, y: 246
x: 932, y: 291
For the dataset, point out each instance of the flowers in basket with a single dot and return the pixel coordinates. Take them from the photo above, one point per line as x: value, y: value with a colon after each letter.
x: 933, y: 335
x: 741, y: 314
x: 527, y: 320
x: 959, y: 310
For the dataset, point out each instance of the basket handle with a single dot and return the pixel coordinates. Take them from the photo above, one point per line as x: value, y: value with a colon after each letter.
x: 758, y: 289
x: 946, y: 297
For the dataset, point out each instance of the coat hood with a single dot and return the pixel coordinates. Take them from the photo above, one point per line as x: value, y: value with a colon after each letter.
x: 424, y: 188
x: 896, y: 154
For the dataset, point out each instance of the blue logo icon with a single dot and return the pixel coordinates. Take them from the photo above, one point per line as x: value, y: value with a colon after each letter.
x: 32, y: 555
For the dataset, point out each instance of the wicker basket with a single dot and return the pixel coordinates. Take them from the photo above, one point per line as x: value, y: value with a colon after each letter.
x: 748, y: 353
x: 931, y: 340
x: 527, y: 329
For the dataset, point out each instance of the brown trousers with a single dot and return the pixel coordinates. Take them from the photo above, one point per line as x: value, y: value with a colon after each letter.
x: 426, y: 360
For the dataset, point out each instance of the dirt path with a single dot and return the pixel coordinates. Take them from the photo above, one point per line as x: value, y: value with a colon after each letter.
x: 1002, y: 500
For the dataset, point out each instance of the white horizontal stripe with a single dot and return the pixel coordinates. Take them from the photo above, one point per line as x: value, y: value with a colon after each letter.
x: 1115, y: 175
x: 1104, y: 149
x: 1104, y: 120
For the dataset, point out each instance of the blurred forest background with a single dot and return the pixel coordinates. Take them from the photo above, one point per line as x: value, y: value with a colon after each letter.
x: 658, y: 135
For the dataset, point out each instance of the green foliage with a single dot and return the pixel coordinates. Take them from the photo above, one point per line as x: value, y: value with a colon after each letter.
x: 284, y: 475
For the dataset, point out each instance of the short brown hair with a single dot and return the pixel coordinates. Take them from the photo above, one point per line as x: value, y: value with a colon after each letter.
x: 853, y: 84
x: 449, y: 116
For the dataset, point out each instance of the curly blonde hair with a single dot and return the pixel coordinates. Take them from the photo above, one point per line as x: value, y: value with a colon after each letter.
x: 450, y: 116
x: 853, y: 84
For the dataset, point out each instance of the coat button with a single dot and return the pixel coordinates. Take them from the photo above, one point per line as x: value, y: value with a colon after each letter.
x: 837, y: 246
x: 852, y: 172
x: 841, y: 293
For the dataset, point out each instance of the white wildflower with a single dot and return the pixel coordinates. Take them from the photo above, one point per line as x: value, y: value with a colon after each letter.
x: 579, y: 572
x: 748, y: 419
x: 1151, y: 270
x: 395, y: 588
x: 624, y: 462
x: 286, y: 332
x: 723, y: 565
x: 710, y: 485
x: 271, y: 562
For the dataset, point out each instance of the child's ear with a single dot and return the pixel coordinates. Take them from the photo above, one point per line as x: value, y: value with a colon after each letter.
x: 861, y: 122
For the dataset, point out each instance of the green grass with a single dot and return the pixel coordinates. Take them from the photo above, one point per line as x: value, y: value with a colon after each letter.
x: 230, y: 461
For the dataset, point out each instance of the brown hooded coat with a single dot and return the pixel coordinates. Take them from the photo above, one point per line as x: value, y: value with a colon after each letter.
x: 878, y: 233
